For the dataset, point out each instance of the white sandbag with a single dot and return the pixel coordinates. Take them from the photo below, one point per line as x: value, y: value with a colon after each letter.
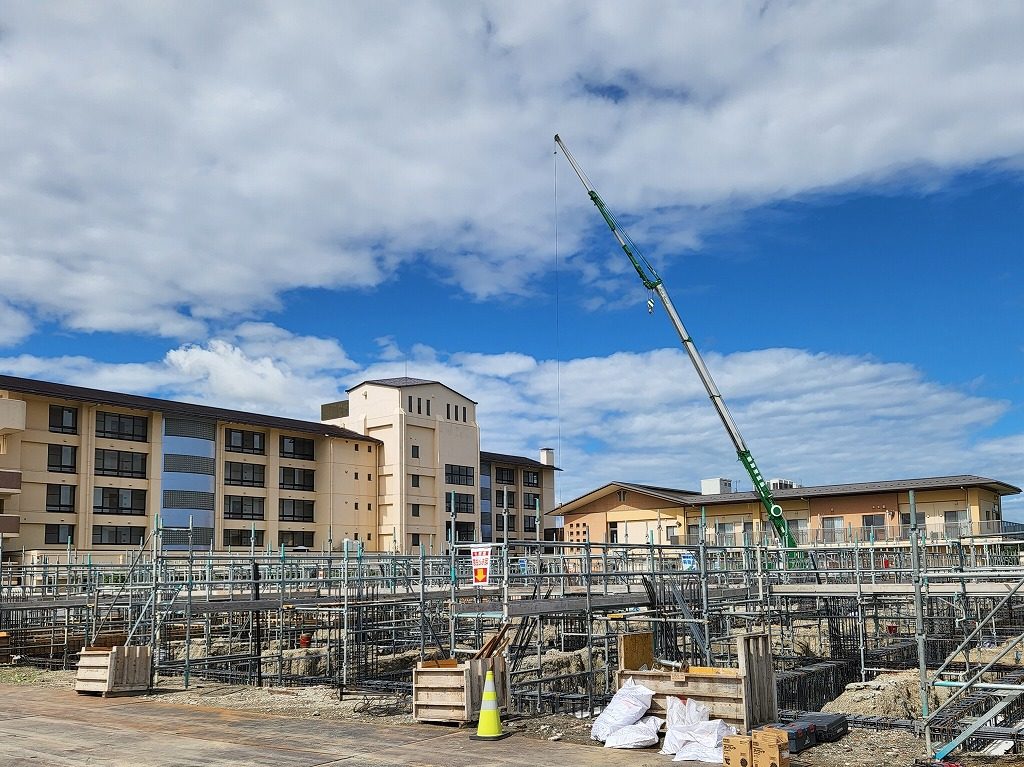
x: 681, y: 714
x: 640, y: 735
x: 626, y: 707
x: 702, y: 742
x: 687, y: 711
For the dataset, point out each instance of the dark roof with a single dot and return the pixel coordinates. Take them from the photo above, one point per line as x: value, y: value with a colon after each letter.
x: 514, y: 460
x: 693, y: 498
x: 669, y: 494
x: 170, y: 407
x: 861, y: 488
x: 400, y: 381
x: 404, y: 381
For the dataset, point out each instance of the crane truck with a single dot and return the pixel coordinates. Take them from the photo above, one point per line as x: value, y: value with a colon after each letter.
x: 649, y: 277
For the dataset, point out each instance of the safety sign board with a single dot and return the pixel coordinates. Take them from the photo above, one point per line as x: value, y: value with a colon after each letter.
x: 481, y: 558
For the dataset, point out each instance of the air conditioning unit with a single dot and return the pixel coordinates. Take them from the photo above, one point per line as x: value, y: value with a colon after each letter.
x: 782, y: 484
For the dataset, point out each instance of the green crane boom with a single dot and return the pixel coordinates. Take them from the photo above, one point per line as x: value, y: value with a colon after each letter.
x: 653, y: 282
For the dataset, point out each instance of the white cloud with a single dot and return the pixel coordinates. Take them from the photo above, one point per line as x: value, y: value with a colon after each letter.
x: 168, y: 167
x: 642, y: 417
x: 15, y: 326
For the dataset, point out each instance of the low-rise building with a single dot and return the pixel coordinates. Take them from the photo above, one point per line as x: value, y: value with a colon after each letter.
x: 947, y: 507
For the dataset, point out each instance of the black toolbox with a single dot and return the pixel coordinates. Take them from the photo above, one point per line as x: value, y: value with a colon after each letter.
x: 801, y: 734
x: 829, y: 727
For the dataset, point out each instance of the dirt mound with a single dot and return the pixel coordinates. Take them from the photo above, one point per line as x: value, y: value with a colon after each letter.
x: 895, y: 695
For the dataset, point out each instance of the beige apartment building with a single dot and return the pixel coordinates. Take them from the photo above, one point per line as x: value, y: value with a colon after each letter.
x: 95, y: 471
x: 433, y: 472
x: 947, y: 507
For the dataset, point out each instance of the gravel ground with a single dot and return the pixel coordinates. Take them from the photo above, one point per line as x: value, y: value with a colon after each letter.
x: 861, y: 748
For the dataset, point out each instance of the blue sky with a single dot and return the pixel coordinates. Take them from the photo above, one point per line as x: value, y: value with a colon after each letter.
x: 261, y: 205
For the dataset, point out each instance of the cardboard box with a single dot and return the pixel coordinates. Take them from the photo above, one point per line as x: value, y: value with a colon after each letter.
x: 736, y: 750
x: 772, y: 733
x: 767, y: 750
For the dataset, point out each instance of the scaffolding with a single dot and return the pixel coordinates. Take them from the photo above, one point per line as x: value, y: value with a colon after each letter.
x: 361, y: 621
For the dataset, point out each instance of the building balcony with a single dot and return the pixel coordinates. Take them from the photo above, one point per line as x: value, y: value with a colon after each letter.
x: 931, y: 529
x: 10, y: 525
x: 12, y: 416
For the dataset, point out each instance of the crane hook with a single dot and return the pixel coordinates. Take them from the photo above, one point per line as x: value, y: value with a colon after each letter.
x: 650, y: 305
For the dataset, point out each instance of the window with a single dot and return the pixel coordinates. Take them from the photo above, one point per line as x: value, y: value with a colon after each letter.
x: 409, y: 409
x: 296, y: 447
x: 415, y: 539
x: 243, y: 507
x: 872, y: 520
x: 357, y: 506
x: 116, y: 500
x: 60, y: 498
x: 295, y: 510
x: 529, y: 524
x: 120, y: 463
x: 531, y: 478
x: 63, y: 419
x: 511, y: 524
x: 448, y: 410
x: 428, y: 407
x: 291, y: 539
x: 357, y: 475
x: 234, y: 537
x: 239, y: 441
x: 119, y: 535
x: 458, y: 475
x: 121, y: 426
x: 369, y: 449
x: 506, y: 499
x: 296, y: 479
x: 531, y: 501
x: 415, y: 451
x: 832, y: 529
x: 369, y: 506
x: 62, y: 458
x: 415, y: 510
x: 245, y: 474
x: 613, y: 532
x: 504, y: 476
x: 693, y: 534
x: 419, y: 406
x: 464, y: 413
x: 415, y: 480
x: 463, y: 503
x: 956, y: 523
x: 59, y: 534
x: 369, y: 477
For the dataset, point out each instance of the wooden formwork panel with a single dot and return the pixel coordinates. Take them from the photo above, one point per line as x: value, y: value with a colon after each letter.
x: 722, y: 695
x: 113, y: 670
x: 743, y: 697
x: 453, y: 694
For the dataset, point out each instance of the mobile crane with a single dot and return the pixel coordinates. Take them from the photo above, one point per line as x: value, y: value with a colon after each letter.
x: 654, y: 283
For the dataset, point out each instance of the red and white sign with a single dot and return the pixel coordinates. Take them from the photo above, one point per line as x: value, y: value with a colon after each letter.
x: 481, y: 558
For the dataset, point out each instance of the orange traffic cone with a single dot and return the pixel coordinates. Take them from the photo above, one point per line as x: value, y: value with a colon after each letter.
x: 489, y: 726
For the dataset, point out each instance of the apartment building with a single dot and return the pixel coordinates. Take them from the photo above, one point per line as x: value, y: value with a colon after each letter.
x: 94, y: 470
x: 514, y: 494
x: 432, y: 472
x: 392, y: 468
x: 947, y: 507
